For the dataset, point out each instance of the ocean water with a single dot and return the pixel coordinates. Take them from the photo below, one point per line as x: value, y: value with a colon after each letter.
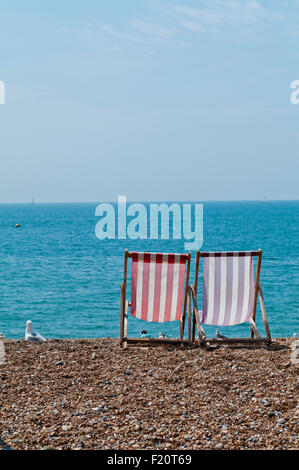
x: 55, y: 272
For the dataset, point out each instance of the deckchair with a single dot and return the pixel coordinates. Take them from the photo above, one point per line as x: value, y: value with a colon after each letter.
x: 230, y: 294
x: 159, y: 289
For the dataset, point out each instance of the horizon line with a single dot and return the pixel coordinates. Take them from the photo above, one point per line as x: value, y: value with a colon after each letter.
x: 152, y: 201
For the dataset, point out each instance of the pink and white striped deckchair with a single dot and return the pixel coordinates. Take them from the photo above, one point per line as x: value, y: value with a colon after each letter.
x: 159, y: 289
x: 230, y: 294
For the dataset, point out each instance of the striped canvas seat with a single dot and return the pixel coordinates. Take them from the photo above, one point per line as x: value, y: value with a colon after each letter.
x: 159, y: 287
x: 230, y: 293
x: 228, y: 288
x: 158, y: 284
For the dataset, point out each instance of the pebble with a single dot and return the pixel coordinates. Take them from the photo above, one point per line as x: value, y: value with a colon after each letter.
x: 219, y: 446
x: 281, y: 421
x: 155, y: 398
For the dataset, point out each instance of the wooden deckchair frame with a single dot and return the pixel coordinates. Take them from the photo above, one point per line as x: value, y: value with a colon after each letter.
x: 192, y: 294
x: 125, y: 304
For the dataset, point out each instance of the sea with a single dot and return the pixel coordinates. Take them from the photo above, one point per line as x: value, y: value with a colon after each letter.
x: 55, y: 272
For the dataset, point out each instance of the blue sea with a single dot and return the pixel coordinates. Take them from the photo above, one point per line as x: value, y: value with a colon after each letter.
x: 57, y: 273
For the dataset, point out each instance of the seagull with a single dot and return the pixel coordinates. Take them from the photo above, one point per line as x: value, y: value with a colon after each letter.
x: 161, y: 335
x: 2, y: 352
x: 31, y: 335
x: 2, y: 336
x: 218, y: 335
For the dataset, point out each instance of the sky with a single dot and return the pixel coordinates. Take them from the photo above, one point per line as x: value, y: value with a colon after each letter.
x: 157, y: 100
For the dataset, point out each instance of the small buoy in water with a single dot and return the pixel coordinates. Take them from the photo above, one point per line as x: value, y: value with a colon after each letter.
x: 17, y: 225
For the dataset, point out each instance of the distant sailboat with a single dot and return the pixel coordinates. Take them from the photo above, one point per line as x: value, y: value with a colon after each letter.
x: 265, y: 199
x: 32, y: 200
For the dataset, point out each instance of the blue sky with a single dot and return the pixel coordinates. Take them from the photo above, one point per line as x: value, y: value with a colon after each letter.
x: 157, y: 100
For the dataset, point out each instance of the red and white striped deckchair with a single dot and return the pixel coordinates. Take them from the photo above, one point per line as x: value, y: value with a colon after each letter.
x: 230, y: 294
x: 159, y: 290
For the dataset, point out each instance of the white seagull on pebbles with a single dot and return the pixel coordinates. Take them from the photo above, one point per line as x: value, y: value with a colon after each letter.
x: 31, y: 335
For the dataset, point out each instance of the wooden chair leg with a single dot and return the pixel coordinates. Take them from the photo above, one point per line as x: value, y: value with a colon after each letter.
x: 254, y: 328
x: 193, y: 326
x: 126, y: 323
x: 201, y: 334
x: 196, y: 320
x: 263, y: 308
x: 182, y: 332
x: 121, y: 335
x: 189, y: 317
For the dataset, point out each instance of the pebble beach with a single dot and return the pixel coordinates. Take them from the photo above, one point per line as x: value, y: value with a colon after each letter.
x: 92, y: 394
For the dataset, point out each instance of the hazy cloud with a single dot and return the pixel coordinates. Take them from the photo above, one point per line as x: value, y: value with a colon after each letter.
x: 152, y: 30
x: 172, y: 21
x: 213, y: 16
